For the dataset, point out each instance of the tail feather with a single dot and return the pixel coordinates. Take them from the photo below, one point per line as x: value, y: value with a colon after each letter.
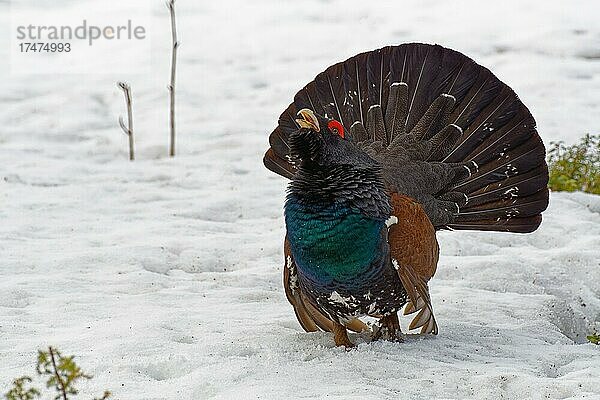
x: 418, y: 62
x: 495, y: 115
x: 362, y: 86
x: 434, y: 118
x: 279, y: 139
x: 444, y: 141
x: 353, y: 105
x: 481, y: 94
x: 520, y: 160
x: 308, y: 98
x: 375, y: 60
x: 516, y: 186
x: 504, y: 208
x: 396, y: 111
x: 278, y: 165
x: 327, y: 95
x: 447, y: 132
x: 375, y: 124
x: 462, y: 71
x: 516, y: 132
x: 514, y: 225
x: 358, y: 132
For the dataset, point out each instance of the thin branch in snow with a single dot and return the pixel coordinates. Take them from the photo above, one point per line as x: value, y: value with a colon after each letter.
x: 128, y: 130
x: 171, y: 87
x: 60, y: 384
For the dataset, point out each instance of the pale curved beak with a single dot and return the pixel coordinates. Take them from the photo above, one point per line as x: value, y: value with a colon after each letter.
x: 308, y: 120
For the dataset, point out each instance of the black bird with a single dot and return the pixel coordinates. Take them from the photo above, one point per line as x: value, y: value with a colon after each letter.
x: 382, y: 150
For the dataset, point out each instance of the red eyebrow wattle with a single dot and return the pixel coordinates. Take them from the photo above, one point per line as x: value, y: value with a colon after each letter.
x: 337, y: 126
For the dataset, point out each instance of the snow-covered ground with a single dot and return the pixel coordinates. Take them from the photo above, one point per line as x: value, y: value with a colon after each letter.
x: 164, y: 275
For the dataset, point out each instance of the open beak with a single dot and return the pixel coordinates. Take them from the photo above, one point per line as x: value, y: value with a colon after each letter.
x: 308, y: 120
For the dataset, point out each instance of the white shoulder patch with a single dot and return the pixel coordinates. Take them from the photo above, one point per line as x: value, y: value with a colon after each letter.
x: 391, y: 221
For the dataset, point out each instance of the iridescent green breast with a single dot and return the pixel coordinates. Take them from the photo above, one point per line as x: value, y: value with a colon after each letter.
x: 332, y: 243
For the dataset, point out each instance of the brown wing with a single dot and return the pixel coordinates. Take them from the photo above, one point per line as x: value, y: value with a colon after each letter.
x: 415, y: 253
x: 308, y: 315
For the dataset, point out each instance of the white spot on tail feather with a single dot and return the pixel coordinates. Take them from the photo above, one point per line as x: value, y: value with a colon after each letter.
x: 448, y: 95
x: 468, y: 169
x: 512, y: 192
x: 399, y: 83
x: 457, y: 127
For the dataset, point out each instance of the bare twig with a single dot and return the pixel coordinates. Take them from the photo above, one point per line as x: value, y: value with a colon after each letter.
x: 171, y: 87
x: 58, y: 378
x: 129, y: 129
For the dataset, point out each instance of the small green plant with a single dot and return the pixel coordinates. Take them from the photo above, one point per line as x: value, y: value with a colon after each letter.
x: 595, y: 338
x: 20, y: 392
x: 575, y: 167
x: 62, y: 374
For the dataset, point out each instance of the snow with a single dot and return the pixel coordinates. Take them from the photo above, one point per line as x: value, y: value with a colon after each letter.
x: 164, y: 277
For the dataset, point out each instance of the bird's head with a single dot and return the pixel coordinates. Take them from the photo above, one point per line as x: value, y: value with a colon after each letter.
x: 322, y: 141
x: 332, y: 169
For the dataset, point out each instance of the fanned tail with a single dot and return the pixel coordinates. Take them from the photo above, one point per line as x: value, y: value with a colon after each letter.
x: 448, y: 133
